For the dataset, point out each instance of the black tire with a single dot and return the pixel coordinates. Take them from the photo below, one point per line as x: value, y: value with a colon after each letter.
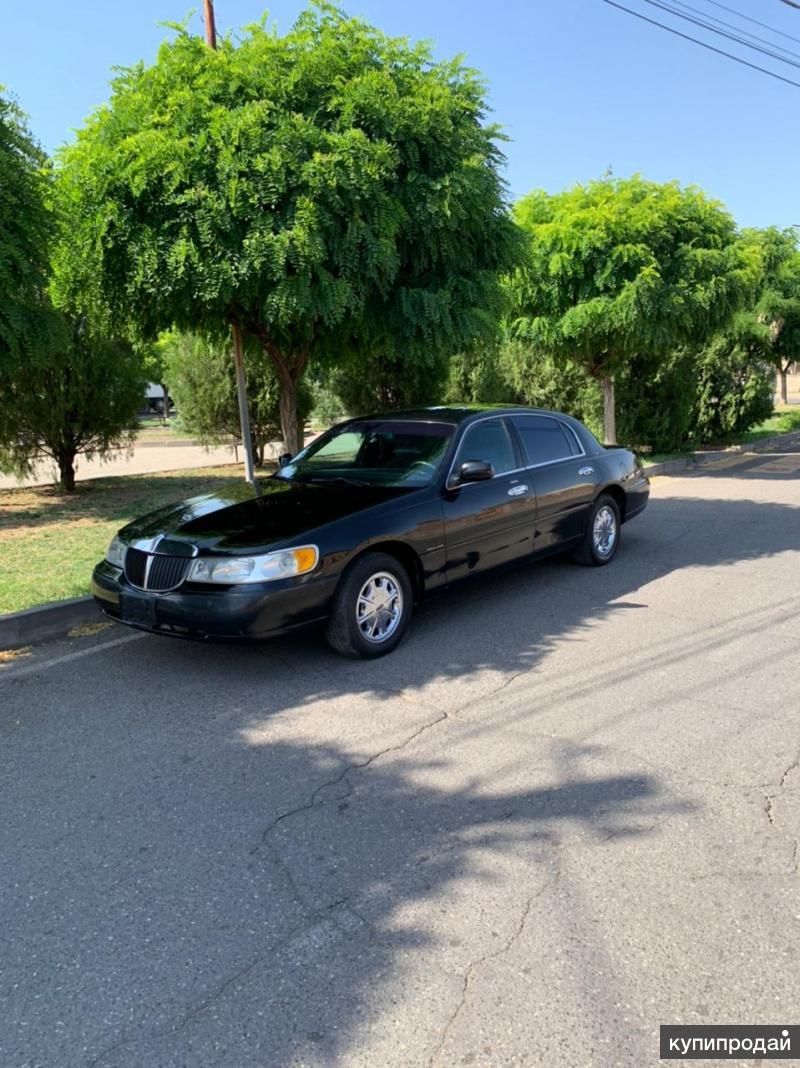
x: 590, y: 552
x: 344, y: 633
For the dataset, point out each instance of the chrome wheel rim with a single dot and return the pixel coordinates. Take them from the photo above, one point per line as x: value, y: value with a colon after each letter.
x: 379, y: 607
x: 604, y: 531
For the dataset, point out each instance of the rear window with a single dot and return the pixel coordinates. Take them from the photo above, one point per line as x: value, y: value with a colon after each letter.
x: 544, y: 439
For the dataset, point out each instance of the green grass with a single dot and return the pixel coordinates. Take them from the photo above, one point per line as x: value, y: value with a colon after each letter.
x: 782, y: 421
x: 661, y: 457
x: 155, y: 430
x: 50, y: 541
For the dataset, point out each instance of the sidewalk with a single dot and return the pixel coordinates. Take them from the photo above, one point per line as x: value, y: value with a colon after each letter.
x: 145, y: 460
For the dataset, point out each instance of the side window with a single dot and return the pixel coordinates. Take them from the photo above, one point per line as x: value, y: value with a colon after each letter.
x: 544, y: 439
x: 489, y: 441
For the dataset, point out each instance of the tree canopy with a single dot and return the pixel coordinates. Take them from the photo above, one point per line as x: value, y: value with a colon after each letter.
x: 774, y: 323
x: 25, y: 230
x: 625, y: 268
x: 332, y: 192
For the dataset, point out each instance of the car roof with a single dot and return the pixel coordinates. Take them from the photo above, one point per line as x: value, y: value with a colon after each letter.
x: 455, y: 414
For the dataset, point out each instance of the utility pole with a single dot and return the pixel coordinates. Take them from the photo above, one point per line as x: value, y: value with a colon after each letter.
x: 211, y: 29
x: 238, y: 354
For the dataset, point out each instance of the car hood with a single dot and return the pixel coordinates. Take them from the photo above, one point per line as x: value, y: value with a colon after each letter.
x: 238, y: 520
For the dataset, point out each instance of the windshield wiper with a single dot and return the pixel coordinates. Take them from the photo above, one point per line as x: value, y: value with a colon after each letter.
x: 340, y: 479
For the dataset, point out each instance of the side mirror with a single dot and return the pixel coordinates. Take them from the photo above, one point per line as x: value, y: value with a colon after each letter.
x: 284, y: 459
x: 475, y: 471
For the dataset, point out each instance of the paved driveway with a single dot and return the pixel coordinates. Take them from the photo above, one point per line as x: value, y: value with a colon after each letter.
x: 565, y: 811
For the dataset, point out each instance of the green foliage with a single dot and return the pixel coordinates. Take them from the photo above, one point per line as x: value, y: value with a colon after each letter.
x: 477, y: 377
x: 80, y: 396
x: 334, y: 191
x: 326, y: 406
x: 734, y: 391
x: 623, y: 269
x: 25, y: 229
x: 544, y: 381
x: 774, y: 324
x: 655, y: 401
x: 202, y: 379
x: 381, y: 382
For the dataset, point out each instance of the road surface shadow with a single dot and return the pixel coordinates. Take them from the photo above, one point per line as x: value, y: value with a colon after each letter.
x: 172, y: 908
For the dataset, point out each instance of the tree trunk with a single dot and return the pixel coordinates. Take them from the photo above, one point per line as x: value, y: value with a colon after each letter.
x: 784, y: 388
x: 66, y: 470
x: 289, y: 369
x: 609, y: 410
x: 290, y: 426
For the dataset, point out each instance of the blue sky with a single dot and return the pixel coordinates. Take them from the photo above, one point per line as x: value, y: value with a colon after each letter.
x: 578, y: 85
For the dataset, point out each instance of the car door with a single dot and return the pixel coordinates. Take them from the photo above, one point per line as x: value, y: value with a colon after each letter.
x: 491, y: 522
x: 563, y: 478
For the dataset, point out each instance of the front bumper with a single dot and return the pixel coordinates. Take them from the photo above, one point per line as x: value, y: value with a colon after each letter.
x: 262, y: 610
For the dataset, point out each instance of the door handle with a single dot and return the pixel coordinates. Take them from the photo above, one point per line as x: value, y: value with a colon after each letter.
x: 516, y: 491
x: 585, y: 470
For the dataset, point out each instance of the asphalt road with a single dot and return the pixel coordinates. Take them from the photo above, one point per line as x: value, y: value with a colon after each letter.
x: 565, y: 811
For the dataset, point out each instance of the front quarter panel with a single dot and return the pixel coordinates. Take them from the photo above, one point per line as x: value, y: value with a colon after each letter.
x: 415, y: 523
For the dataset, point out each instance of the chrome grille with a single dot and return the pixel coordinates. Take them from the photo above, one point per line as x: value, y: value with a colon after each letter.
x: 135, y: 565
x: 155, y: 571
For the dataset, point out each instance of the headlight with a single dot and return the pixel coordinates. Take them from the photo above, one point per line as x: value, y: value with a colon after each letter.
x: 235, y: 569
x: 116, y: 552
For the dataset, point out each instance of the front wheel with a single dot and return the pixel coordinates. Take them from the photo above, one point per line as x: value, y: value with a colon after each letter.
x: 601, y: 540
x: 371, y: 608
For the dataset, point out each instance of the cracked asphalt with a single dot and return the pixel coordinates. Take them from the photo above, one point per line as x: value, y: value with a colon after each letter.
x: 565, y: 811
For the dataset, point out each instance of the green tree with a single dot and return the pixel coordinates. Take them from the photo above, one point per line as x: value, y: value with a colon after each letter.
x: 377, y: 382
x: 777, y: 311
x: 734, y: 389
x: 203, y: 383
x: 626, y: 268
x: 25, y: 232
x: 333, y: 192
x: 477, y: 376
x: 79, y: 396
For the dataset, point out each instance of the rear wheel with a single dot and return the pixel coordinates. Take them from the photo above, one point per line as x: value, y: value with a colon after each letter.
x: 372, y: 607
x: 601, y: 540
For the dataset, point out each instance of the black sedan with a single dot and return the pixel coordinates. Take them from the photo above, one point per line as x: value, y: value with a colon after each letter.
x: 369, y: 518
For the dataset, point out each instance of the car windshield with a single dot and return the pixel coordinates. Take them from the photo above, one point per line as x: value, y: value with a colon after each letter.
x: 375, y: 452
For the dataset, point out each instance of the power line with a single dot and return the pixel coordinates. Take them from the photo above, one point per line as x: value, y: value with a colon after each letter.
x: 736, y: 29
x: 755, y: 22
x: 723, y: 33
x: 703, y: 44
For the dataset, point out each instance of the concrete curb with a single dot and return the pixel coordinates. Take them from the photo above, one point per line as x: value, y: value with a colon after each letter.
x: 696, y: 459
x: 47, y: 621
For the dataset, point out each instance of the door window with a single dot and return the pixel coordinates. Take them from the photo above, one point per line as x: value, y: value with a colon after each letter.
x: 488, y: 441
x: 544, y: 440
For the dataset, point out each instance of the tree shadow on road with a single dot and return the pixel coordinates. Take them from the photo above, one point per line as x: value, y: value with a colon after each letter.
x: 169, y: 916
